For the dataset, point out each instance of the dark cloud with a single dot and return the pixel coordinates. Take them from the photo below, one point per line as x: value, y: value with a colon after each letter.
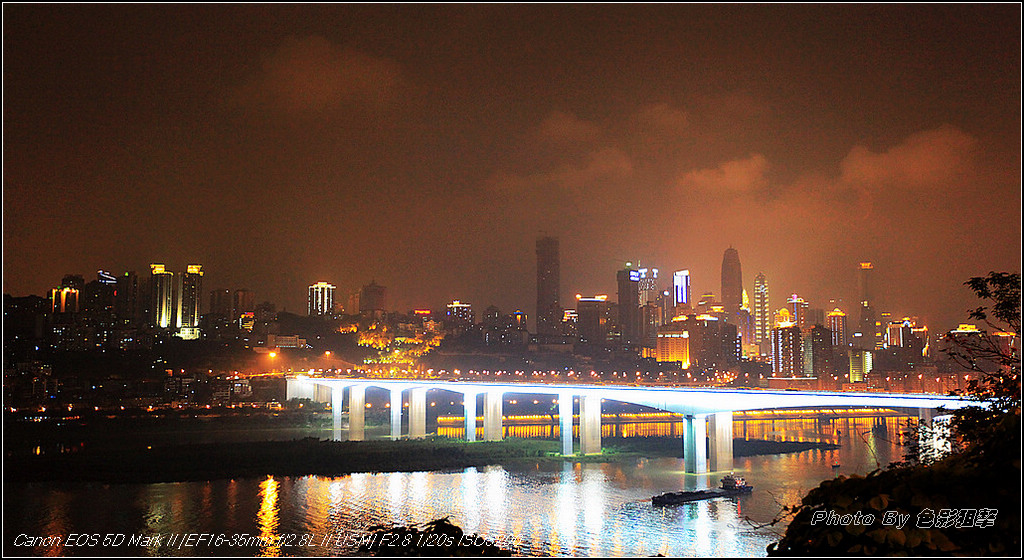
x: 311, y: 76
x: 426, y: 147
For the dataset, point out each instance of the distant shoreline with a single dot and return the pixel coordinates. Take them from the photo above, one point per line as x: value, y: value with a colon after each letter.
x: 309, y: 456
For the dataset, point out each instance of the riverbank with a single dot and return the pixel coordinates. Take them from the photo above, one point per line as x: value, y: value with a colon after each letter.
x: 309, y: 456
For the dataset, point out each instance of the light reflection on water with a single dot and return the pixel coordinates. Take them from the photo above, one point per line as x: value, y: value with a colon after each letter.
x: 563, y: 508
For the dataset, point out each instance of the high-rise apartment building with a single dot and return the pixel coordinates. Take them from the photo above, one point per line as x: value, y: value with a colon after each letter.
x: 190, y: 289
x: 161, y: 290
x: 549, y: 308
x: 732, y: 281
x: 787, y: 351
x: 321, y: 299
x: 762, y: 309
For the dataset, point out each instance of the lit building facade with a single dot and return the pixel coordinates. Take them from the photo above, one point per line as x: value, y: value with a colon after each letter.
x: 674, y: 344
x: 787, y: 351
x: 762, y: 310
x: 838, y: 325
x: 161, y: 283
x: 681, y: 291
x: 190, y: 289
x: 321, y: 299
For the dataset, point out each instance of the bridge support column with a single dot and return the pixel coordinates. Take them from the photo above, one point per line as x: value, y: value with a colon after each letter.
x: 492, y: 416
x: 322, y: 393
x: 590, y: 425
x: 396, y: 413
x: 356, y: 413
x: 337, y: 403
x: 720, y: 435
x: 418, y: 412
x: 695, y: 444
x: 469, y: 411
x: 565, y: 421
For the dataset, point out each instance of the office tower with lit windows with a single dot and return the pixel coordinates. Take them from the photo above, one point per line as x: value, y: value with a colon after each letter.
x: 732, y: 281
x: 628, y: 281
x: 762, y: 309
x: 840, y: 331
x: 190, y: 289
x: 321, y: 299
x: 549, y: 307
x: 681, y: 291
x: 161, y: 291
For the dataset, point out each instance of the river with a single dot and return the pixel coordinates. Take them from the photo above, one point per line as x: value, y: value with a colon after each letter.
x: 547, y: 508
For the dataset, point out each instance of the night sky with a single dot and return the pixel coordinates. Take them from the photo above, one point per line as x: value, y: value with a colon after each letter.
x: 427, y: 147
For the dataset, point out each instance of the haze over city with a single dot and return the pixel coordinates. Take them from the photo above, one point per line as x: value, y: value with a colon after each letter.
x: 427, y: 147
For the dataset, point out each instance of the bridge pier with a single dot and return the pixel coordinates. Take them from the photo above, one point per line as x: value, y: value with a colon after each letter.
x: 720, y: 456
x: 695, y: 436
x: 565, y: 421
x: 590, y: 425
x: 492, y: 416
x: 356, y: 412
x: 396, y: 413
x: 337, y: 403
x: 469, y: 411
x: 418, y: 412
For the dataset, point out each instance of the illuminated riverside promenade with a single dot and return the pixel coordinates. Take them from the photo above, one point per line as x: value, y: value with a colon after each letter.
x: 707, y: 412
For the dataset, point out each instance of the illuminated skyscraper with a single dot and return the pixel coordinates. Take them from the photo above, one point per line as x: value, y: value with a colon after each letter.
x: 648, y: 285
x: 762, y: 311
x: 681, y: 291
x: 628, y: 281
x: 549, y: 308
x: 870, y: 333
x: 321, y: 299
x: 840, y: 331
x: 787, y: 351
x: 798, y: 307
x: 732, y: 281
x: 161, y: 284
x: 190, y: 289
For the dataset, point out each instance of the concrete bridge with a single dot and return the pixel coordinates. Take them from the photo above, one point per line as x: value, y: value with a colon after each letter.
x: 707, y: 413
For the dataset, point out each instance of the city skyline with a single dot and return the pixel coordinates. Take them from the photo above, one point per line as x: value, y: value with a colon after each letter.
x: 808, y: 138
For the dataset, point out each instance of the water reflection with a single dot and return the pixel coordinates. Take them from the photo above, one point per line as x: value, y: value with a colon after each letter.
x: 268, y: 518
x: 565, y: 508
